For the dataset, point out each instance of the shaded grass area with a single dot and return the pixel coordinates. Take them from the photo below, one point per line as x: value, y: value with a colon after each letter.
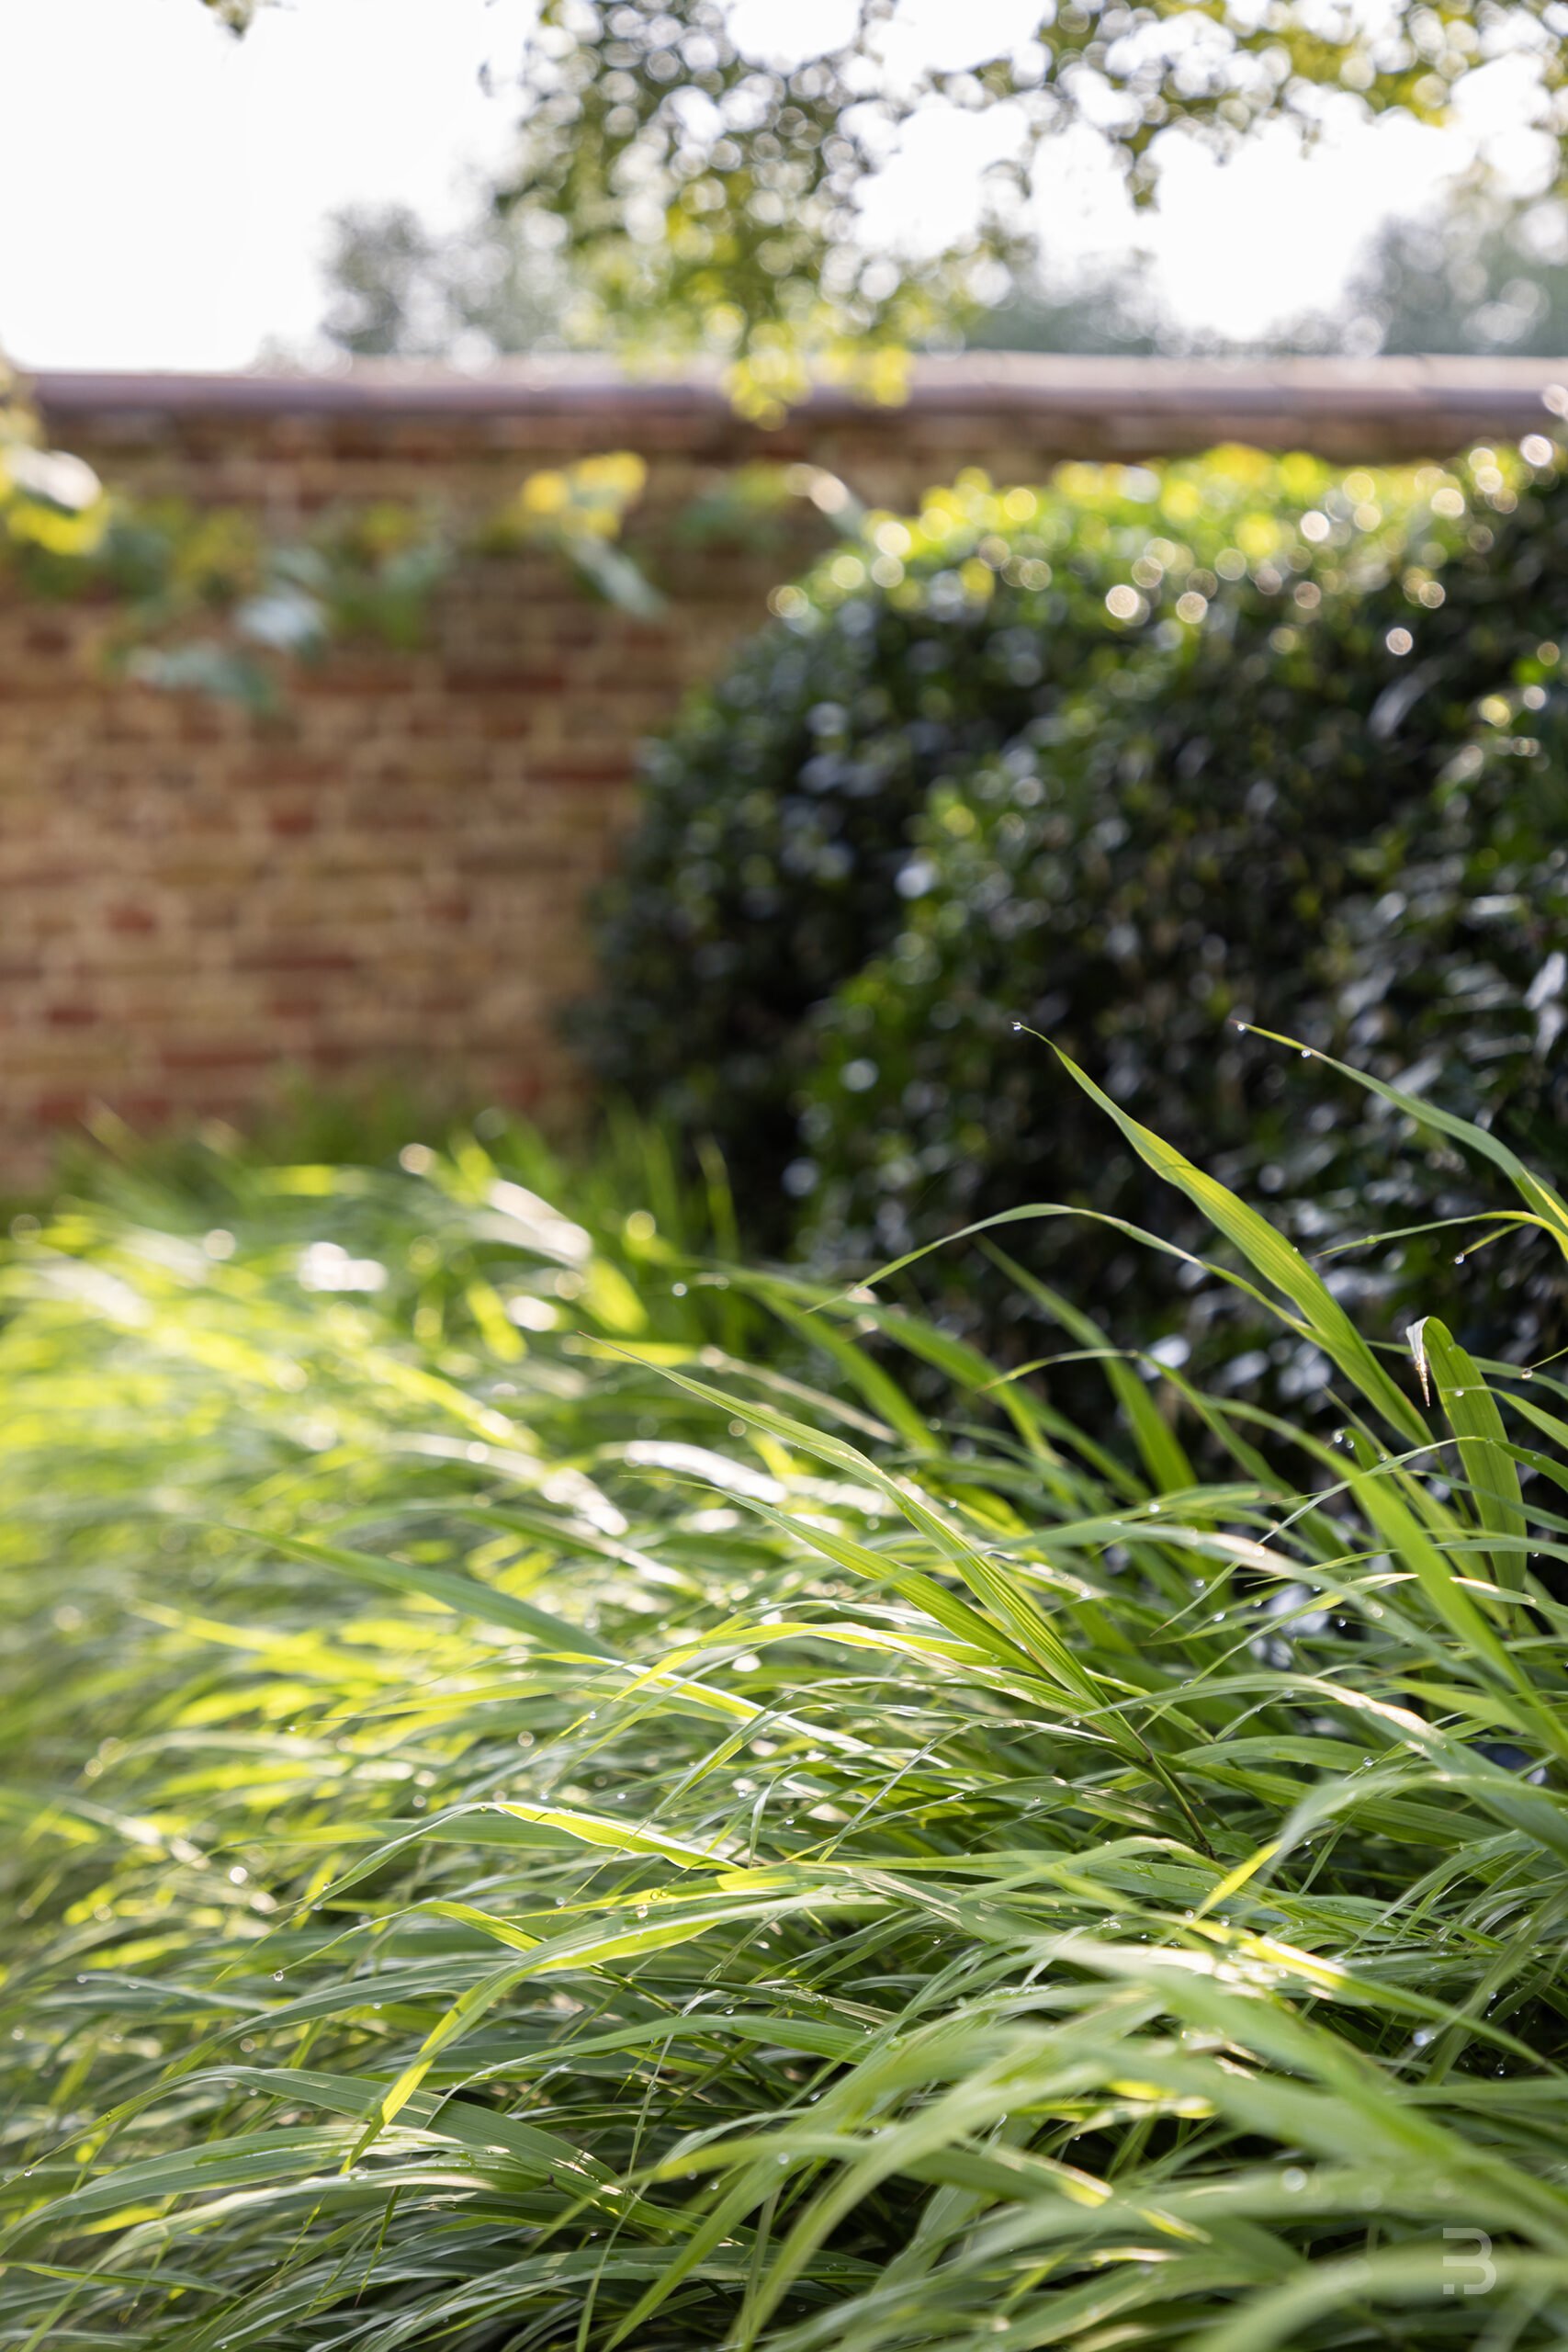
x: 548, y: 1805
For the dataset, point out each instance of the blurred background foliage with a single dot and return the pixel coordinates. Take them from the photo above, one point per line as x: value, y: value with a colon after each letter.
x: 1481, y: 276
x: 399, y: 289
x: 678, y: 192
x: 211, y: 600
x: 208, y: 599
x: 51, y: 504
x: 702, y: 198
x: 1129, y: 760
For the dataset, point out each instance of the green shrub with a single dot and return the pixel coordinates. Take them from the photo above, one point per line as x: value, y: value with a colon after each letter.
x: 777, y: 818
x: 608, y: 1844
x: 1131, y: 904
x: 953, y: 790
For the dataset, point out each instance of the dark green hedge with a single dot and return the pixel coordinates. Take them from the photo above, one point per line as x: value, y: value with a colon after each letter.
x: 951, y: 790
x: 1429, y: 952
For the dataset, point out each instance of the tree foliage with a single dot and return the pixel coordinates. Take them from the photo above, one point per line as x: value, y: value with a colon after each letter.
x: 1474, y: 277
x: 682, y: 189
x: 708, y: 194
x: 397, y: 290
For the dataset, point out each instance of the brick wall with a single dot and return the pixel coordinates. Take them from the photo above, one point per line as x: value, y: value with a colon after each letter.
x: 387, y: 881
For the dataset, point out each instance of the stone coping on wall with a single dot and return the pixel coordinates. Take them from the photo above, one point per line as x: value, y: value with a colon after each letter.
x: 1063, y: 405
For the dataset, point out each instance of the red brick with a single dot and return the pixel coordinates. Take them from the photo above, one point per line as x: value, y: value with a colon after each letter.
x: 388, y: 878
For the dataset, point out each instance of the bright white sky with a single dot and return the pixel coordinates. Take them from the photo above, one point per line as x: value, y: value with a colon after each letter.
x: 163, y: 188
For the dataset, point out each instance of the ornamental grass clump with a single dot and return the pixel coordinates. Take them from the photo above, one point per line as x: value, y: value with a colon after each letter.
x: 551, y: 1807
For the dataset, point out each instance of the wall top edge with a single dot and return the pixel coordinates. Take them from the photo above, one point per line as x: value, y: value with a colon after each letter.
x: 1472, y: 394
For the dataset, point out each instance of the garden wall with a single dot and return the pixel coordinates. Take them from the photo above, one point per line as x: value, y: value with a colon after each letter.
x: 386, y: 881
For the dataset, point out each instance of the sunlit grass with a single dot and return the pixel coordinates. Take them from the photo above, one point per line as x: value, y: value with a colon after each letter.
x: 548, y: 1806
